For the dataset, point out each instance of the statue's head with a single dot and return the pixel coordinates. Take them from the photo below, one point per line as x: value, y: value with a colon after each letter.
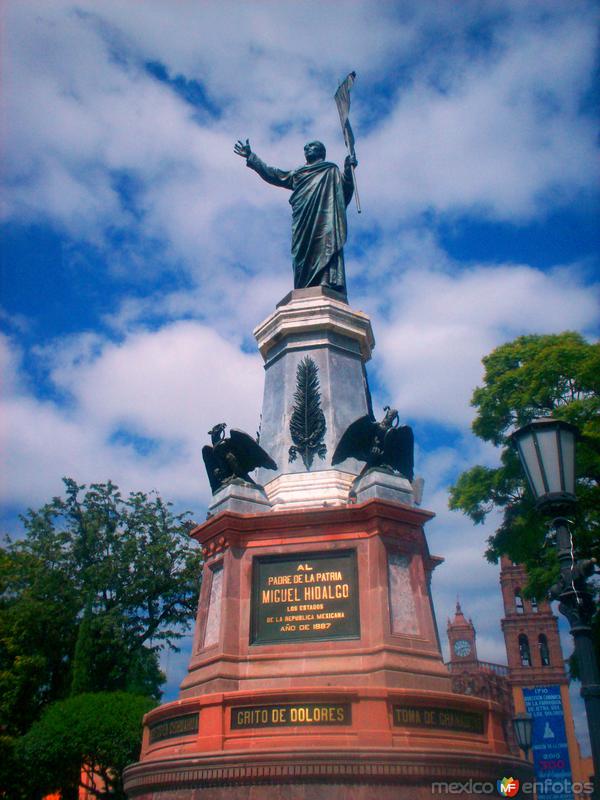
x: 314, y: 151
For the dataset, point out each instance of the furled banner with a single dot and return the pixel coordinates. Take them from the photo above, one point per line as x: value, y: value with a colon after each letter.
x: 342, y: 101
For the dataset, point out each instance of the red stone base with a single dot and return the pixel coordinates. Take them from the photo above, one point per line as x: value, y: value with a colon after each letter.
x: 372, y: 756
x: 347, y: 775
x: 367, y: 715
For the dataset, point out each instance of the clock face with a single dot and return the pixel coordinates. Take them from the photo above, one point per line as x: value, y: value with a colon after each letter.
x: 462, y: 647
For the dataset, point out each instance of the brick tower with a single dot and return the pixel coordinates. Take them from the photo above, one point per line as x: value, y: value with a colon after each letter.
x: 540, y: 683
x: 530, y: 632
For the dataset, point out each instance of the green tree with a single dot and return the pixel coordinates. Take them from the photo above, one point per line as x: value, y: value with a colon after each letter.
x: 97, y: 586
x: 535, y: 376
x: 98, y: 733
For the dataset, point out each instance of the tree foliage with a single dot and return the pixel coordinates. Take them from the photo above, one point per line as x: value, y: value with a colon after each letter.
x: 535, y: 376
x: 97, y: 586
x: 91, y: 734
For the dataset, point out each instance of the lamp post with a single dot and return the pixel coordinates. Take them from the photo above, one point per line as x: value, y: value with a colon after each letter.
x: 523, y: 727
x: 546, y: 449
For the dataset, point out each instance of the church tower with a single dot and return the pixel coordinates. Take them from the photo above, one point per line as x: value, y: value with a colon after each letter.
x: 539, y: 681
x: 530, y: 632
x: 462, y: 639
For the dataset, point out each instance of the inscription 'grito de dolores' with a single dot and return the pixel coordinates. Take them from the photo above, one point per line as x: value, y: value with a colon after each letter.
x: 312, y: 596
x: 291, y: 714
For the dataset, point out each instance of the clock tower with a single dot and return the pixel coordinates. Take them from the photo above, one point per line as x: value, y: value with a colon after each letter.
x: 461, y: 636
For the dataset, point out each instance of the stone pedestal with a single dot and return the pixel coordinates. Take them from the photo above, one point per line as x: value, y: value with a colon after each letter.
x: 240, y: 496
x: 394, y: 640
x: 316, y: 669
x: 319, y: 325
x: 384, y: 485
x: 326, y: 487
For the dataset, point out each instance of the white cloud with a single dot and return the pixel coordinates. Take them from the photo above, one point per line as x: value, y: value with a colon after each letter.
x: 170, y: 386
x: 438, y: 326
x: 505, y: 133
x: 500, y: 132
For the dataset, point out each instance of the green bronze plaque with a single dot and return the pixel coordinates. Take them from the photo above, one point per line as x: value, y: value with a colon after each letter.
x: 186, y: 725
x: 305, y: 597
x: 291, y: 714
x: 449, y: 719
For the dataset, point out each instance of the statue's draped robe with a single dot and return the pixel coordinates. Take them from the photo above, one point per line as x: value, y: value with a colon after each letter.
x: 320, y: 194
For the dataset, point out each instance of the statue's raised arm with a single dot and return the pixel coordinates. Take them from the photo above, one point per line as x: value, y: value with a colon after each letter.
x: 320, y: 194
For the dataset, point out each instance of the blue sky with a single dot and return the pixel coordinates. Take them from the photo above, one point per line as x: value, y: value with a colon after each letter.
x: 139, y: 252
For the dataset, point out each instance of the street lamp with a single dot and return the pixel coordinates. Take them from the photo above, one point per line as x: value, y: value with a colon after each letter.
x: 546, y: 448
x: 523, y: 727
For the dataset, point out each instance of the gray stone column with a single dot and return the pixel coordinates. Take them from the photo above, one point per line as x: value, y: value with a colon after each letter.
x: 315, y: 323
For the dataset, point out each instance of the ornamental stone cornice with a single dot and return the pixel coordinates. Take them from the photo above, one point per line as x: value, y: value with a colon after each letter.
x: 314, y: 311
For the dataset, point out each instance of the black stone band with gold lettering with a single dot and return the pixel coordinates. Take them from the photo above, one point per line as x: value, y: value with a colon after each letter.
x: 185, y: 725
x: 441, y: 718
x: 290, y: 714
x: 313, y: 596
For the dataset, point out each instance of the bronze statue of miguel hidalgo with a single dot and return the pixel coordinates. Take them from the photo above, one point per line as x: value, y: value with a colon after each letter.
x: 320, y: 194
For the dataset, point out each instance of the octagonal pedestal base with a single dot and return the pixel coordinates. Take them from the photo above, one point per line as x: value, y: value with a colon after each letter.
x: 316, y: 670
x: 357, y: 775
x: 323, y: 743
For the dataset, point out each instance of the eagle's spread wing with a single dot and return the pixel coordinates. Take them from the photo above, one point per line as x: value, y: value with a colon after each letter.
x: 356, y: 441
x: 398, y: 448
x: 248, y: 453
x: 211, y: 464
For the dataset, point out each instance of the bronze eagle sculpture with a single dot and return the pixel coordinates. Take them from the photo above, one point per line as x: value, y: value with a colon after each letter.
x: 386, y: 444
x: 232, y: 457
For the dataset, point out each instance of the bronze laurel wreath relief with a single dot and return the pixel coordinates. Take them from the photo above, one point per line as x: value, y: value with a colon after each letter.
x: 307, y: 425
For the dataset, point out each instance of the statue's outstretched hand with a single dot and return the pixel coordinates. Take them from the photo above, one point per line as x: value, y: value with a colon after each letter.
x: 350, y: 161
x: 242, y: 149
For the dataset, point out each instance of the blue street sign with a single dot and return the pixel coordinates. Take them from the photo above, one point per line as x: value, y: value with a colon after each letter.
x: 550, y: 749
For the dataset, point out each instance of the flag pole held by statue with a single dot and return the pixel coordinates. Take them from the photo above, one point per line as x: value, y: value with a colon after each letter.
x: 342, y: 101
